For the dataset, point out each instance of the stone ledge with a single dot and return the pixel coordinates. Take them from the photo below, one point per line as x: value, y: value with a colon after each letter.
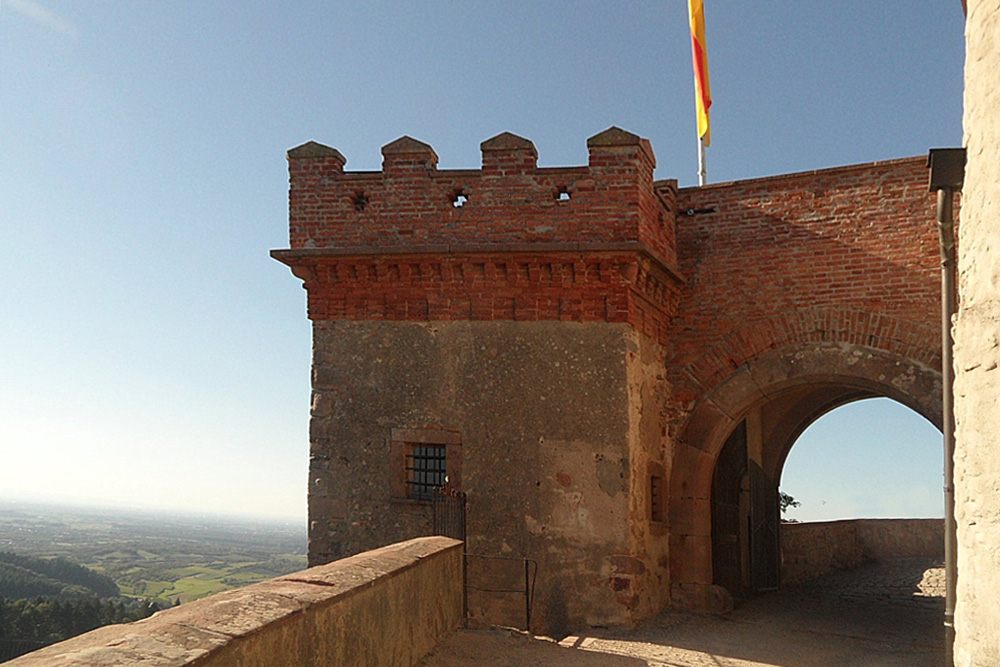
x: 278, y: 622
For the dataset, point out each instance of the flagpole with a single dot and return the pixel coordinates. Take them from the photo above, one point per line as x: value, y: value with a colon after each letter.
x: 701, y: 160
x: 702, y: 91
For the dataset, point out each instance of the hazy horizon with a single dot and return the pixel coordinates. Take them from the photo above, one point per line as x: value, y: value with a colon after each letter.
x: 10, y: 502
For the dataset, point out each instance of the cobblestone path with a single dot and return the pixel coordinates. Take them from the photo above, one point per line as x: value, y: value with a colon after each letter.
x: 885, y: 614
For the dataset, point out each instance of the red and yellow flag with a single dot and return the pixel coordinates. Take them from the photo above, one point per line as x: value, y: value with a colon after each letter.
x: 702, y: 91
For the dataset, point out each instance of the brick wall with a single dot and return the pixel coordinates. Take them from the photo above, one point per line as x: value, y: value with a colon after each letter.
x: 843, y: 255
x: 792, y: 283
x: 596, y: 286
x: 411, y: 204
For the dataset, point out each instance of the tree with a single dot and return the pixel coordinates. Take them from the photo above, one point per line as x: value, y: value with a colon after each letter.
x: 785, y: 501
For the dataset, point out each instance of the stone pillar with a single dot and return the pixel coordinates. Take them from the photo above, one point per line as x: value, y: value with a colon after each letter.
x: 977, y: 351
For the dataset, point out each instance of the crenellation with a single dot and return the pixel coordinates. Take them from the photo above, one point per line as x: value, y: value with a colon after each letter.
x: 508, y: 155
x: 407, y: 155
x: 509, y: 201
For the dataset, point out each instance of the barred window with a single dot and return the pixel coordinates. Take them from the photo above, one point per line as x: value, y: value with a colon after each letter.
x: 424, y: 459
x: 426, y: 470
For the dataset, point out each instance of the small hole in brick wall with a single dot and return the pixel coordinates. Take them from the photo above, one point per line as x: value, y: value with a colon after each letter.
x: 360, y: 200
x: 562, y: 193
x: 458, y: 198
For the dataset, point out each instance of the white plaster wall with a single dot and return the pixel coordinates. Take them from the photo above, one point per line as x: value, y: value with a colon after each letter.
x: 977, y: 350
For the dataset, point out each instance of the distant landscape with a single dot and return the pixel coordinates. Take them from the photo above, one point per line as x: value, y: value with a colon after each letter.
x: 66, y: 570
x: 162, y: 557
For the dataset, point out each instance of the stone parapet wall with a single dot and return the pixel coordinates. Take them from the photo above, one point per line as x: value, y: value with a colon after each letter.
x: 810, y: 550
x: 389, y: 606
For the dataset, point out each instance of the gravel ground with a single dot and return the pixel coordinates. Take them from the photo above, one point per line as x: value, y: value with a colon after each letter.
x: 885, y: 614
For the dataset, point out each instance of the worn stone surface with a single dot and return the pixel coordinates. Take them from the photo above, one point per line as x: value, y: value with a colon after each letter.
x: 977, y: 350
x: 153, y: 642
x: 541, y: 409
x: 499, y: 647
x: 647, y: 567
x: 386, y: 607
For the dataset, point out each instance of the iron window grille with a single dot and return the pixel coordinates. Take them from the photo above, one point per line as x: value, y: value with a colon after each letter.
x: 426, y: 470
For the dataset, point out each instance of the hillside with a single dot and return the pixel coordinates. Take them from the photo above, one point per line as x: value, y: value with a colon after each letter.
x: 132, y: 564
x: 29, y: 576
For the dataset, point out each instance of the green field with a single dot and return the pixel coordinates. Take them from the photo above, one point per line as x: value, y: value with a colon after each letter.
x: 167, y: 558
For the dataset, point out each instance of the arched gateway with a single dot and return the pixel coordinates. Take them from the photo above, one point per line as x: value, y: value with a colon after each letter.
x: 729, y: 457
x: 574, y: 347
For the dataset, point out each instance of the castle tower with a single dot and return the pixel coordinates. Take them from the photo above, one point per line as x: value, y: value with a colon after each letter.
x: 501, y: 331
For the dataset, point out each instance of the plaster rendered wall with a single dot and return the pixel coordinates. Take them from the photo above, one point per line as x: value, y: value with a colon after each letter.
x: 542, y: 410
x: 977, y: 350
x: 386, y: 607
x: 647, y: 570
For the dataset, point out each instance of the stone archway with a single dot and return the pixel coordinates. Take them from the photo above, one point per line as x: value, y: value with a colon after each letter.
x: 773, y: 397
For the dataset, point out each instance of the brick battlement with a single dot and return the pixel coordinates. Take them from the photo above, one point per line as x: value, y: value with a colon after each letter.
x: 412, y: 206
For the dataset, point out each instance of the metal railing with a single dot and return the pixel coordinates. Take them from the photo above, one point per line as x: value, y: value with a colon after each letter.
x: 530, y: 575
x: 449, y: 519
x: 449, y: 513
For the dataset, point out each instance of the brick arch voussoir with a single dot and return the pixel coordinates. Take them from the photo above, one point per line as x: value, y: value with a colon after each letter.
x: 905, y: 338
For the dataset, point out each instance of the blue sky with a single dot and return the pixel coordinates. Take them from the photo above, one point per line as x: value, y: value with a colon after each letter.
x: 152, y: 353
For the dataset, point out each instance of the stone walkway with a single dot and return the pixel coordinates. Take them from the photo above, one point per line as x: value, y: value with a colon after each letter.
x: 885, y: 614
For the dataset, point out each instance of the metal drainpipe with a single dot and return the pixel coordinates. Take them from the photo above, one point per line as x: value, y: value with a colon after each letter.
x: 947, y: 172
x: 945, y: 198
